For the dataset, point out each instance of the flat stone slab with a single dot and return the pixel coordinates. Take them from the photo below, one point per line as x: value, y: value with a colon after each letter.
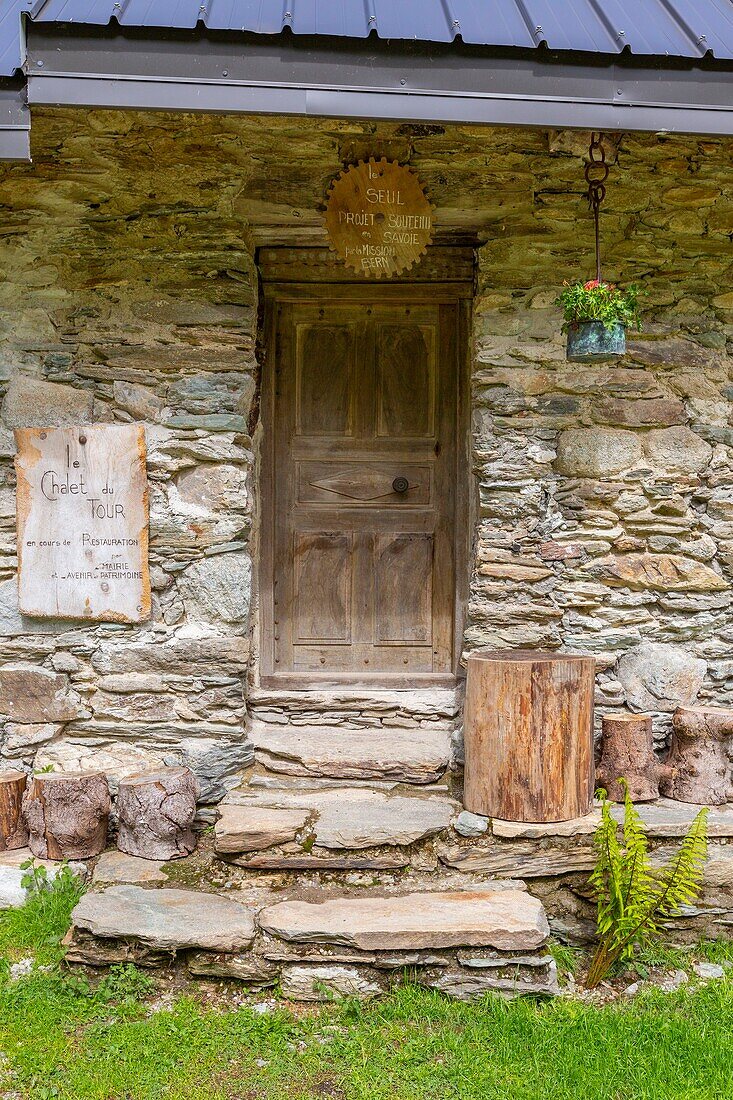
x: 116, y: 867
x: 509, y: 920
x: 356, y: 817
x: 166, y: 919
x: 533, y: 830
x: 405, y: 755
x: 324, y: 982
x: 668, y: 818
x: 428, y: 703
x: 518, y: 859
x: 256, y: 828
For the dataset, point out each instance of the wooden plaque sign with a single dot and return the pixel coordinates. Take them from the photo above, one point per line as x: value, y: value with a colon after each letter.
x: 82, y: 520
x: 378, y: 218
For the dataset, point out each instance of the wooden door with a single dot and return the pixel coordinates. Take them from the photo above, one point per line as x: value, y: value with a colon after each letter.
x: 362, y: 492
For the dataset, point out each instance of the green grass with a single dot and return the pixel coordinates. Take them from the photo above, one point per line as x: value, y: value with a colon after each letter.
x: 42, y: 922
x: 60, y: 1038
x: 62, y: 1043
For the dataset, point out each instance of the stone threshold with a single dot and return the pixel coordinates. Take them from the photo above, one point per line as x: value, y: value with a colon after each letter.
x: 462, y: 942
x: 428, y: 702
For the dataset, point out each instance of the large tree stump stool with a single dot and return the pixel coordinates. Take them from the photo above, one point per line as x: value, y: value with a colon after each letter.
x: 67, y: 814
x: 698, y: 766
x: 628, y: 753
x: 13, y: 829
x: 155, y: 811
x: 528, y: 732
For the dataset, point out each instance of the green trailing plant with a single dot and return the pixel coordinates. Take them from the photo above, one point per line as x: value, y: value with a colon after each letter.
x: 634, y: 900
x: 599, y: 301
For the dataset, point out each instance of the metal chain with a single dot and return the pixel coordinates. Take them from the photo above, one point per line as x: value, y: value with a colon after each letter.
x: 596, y: 174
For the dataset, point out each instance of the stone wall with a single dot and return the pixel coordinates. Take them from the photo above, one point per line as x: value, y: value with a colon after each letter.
x: 126, y: 296
x: 128, y: 292
x: 606, y: 491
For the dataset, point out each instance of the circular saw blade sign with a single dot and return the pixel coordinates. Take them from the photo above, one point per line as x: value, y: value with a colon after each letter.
x: 378, y: 218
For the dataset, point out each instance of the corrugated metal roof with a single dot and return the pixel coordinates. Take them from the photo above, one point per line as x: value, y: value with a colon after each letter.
x: 677, y: 28
x: 11, y: 50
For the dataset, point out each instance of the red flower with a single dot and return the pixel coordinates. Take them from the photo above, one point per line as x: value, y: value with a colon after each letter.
x: 591, y: 284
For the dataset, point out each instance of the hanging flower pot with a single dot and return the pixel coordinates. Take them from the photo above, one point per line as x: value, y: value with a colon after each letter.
x: 593, y: 342
x: 597, y: 315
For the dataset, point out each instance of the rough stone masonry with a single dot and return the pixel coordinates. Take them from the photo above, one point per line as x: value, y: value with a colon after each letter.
x: 128, y: 293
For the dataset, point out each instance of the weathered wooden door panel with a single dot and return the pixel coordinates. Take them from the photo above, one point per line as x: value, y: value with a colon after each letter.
x: 403, y: 571
x: 406, y: 381
x: 325, y: 380
x: 363, y: 491
x: 323, y: 580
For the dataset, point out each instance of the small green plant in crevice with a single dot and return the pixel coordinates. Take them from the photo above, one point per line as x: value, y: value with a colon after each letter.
x: 566, y: 958
x: 41, y: 922
x: 125, y: 984
x: 634, y: 900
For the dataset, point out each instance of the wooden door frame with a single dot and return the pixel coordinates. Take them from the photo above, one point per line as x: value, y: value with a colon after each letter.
x: 459, y: 293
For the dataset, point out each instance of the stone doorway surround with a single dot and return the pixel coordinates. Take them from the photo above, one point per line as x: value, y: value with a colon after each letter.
x: 372, y: 758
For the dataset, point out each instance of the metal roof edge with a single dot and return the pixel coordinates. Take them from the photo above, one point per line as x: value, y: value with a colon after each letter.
x: 15, y: 121
x: 278, y: 76
x: 497, y: 110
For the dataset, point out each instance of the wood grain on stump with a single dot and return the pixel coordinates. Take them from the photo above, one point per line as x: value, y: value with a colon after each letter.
x: 697, y: 769
x: 156, y: 811
x: 67, y: 814
x: 628, y: 753
x: 13, y: 829
x: 528, y: 733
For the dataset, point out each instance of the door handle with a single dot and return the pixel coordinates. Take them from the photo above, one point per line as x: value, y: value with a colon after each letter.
x: 400, y: 484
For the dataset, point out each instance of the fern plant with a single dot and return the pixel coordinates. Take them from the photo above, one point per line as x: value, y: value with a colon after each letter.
x: 633, y: 899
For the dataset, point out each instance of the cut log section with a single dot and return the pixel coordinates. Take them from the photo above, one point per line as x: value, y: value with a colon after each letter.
x: 67, y: 814
x: 13, y: 829
x: 628, y: 753
x: 698, y: 766
x: 528, y: 734
x: 156, y: 811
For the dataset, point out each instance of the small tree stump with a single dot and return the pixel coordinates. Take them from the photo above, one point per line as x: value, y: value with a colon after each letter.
x: 67, y: 814
x: 698, y: 767
x: 155, y: 810
x: 628, y: 753
x: 13, y: 829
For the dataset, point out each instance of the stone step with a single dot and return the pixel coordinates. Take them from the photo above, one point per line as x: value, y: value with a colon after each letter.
x: 165, y: 919
x: 281, y: 827
x: 405, y: 756
x: 357, y: 707
x: 463, y: 942
x: 507, y: 920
